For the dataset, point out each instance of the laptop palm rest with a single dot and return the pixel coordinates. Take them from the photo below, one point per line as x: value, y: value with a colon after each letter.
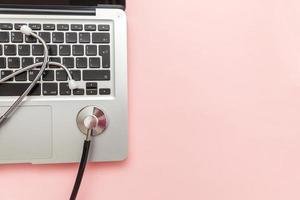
x: 27, y: 135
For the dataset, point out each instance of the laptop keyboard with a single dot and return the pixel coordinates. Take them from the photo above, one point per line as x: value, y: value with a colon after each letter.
x: 83, y: 48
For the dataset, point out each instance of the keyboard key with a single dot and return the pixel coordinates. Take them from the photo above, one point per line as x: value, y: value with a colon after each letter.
x: 50, y: 89
x: 81, y: 62
x: 6, y: 26
x: 104, y: 91
x: 4, y: 37
x: 5, y: 73
x: 78, y: 92
x: 49, y: 27
x: 46, y: 36
x: 16, y: 37
x: 52, y: 50
x: 68, y: 62
x: 104, y: 51
x: 63, y: 27
x: 103, y: 27
x: 76, y: 27
x: 91, y: 92
x: 2, y: 63
x: 78, y: 50
x: 94, y: 62
x: 33, y: 74
x: 90, y: 27
x: 64, y: 89
x: 18, y: 26
x: 58, y: 37
x: 96, y: 75
x: 21, y: 77
x: 39, y: 59
x: 10, y: 50
x: 91, y: 50
x: 91, y: 85
x: 76, y: 75
x: 55, y: 59
x: 30, y: 39
x: 64, y: 50
x: 71, y: 37
x: 35, y: 26
x: 61, y: 75
x: 13, y: 62
x: 37, y: 50
x: 26, y: 61
x: 48, y: 75
x: 100, y: 38
x: 84, y: 37
x: 1, y: 50
x: 17, y: 89
x: 23, y: 50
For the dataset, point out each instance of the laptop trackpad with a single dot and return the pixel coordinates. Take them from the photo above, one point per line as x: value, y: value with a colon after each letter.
x: 27, y: 134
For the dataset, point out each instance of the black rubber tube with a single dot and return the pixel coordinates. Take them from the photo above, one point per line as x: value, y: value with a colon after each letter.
x: 84, y: 158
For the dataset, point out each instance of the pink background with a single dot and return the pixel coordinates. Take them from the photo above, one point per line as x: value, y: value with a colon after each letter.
x: 214, y: 108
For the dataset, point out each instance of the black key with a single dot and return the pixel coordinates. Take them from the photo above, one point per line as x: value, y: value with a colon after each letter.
x: 91, y: 50
x: 30, y: 39
x: 10, y: 50
x: 94, y: 62
x: 50, y: 89
x: 49, y: 26
x: 17, y: 89
x: 96, y: 75
x: 37, y: 50
x: 63, y: 27
x: 64, y: 50
x: 39, y: 59
x: 61, y: 75
x: 100, y: 38
x: 1, y: 51
x: 76, y: 75
x: 6, y: 26
x: 71, y: 37
x: 90, y: 27
x: 104, y: 51
x: 18, y: 26
x: 104, y: 91
x: 58, y: 37
x: 2, y: 62
x: 16, y: 37
x: 35, y: 26
x: 52, y: 50
x: 64, y: 89
x: 81, y: 62
x: 13, y: 62
x: 91, y: 92
x: 68, y: 62
x: 5, y: 73
x: 78, y: 92
x: 26, y: 61
x: 21, y: 77
x: 33, y: 74
x: 48, y: 75
x: 103, y: 27
x: 55, y: 59
x: 78, y: 50
x: 76, y: 27
x: 4, y: 37
x: 23, y: 50
x: 46, y: 36
x: 84, y: 37
x: 91, y: 85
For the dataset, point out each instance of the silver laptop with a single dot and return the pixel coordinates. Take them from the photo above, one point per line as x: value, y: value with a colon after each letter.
x: 89, y: 38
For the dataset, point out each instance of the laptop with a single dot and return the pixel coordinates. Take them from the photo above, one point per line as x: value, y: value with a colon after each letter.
x: 90, y: 38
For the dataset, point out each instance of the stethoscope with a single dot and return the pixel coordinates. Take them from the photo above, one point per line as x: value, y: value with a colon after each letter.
x: 90, y: 120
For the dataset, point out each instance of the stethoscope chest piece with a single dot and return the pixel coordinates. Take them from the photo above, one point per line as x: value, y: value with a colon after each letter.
x: 91, y: 118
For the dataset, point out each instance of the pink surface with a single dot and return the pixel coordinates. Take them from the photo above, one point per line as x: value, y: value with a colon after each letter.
x: 214, y: 108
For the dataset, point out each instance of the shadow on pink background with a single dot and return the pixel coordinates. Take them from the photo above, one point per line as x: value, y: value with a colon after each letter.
x: 214, y: 109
